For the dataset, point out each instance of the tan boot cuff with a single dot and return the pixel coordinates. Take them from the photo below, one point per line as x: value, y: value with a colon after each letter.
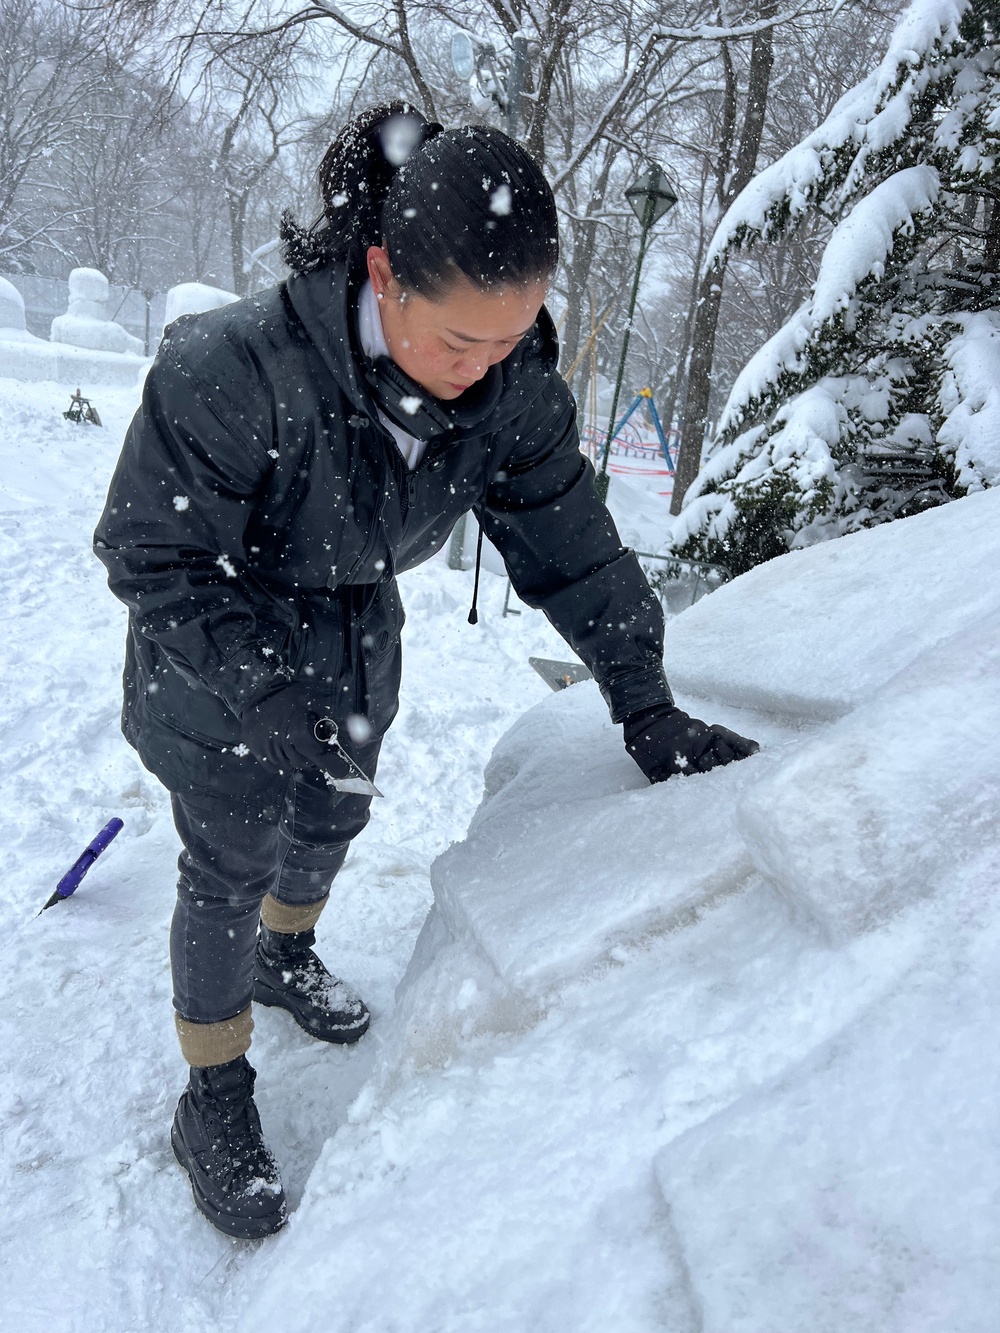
x: 290, y: 918
x: 214, y: 1043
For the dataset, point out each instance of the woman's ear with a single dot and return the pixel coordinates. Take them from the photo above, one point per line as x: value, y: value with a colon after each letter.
x: 380, y: 270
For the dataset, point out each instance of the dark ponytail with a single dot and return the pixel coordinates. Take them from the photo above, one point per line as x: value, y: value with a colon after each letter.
x: 468, y: 202
x: 354, y: 178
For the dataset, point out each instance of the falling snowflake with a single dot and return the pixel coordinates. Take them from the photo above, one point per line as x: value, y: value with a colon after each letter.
x: 181, y: 502
x: 227, y: 565
x: 411, y: 404
x: 359, y: 728
x: 400, y: 135
x: 501, y: 201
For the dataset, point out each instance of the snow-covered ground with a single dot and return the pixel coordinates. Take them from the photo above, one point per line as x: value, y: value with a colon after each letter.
x: 716, y: 1055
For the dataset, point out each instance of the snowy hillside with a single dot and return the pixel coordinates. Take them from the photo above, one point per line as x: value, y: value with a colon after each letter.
x: 715, y: 1055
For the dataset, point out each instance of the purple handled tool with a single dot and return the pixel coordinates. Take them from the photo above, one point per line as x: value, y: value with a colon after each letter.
x: 70, y: 882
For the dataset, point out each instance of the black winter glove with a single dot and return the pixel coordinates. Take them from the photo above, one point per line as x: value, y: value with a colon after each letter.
x: 664, y: 741
x: 279, y: 729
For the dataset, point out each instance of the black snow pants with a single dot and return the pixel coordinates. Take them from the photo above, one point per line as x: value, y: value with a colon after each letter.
x: 237, y: 849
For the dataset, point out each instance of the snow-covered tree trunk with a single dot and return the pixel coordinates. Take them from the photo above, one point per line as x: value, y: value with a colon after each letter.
x: 733, y: 177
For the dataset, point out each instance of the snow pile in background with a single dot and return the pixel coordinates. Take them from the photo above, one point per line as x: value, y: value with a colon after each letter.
x: 12, y: 325
x: 86, y: 322
x: 102, y: 353
x: 715, y: 1056
x: 194, y: 298
x: 32, y: 360
x: 642, y: 515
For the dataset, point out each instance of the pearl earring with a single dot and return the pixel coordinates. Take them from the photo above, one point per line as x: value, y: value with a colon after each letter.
x: 381, y: 296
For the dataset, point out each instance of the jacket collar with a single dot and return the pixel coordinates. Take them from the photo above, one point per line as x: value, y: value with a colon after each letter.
x: 325, y: 301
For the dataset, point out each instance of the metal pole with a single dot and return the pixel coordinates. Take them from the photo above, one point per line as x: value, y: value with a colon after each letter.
x: 148, y: 295
x: 515, y: 85
x: 456, y: 547
x: 602, y: 476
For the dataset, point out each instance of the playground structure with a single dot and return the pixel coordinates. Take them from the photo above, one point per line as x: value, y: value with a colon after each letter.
x: 640, y: 446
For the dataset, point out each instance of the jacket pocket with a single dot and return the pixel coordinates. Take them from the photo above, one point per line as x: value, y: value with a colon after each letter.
x: 316, y: 648
x: 158, y: 690
x: 381, y: 657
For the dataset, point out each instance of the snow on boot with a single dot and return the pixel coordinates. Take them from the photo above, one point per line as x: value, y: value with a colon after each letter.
x: 287, y: 974
x: 217, y: 1139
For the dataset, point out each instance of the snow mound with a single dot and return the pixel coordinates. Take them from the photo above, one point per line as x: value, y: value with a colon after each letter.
x: 96, y: 335
x: 812, y: 634
x: 33, y: 360
x: 195, y: 298
x: 858, y: 1190
x: 572, y: 855
x: 621, y: 985
x: 551, y: 877
x: 888, y: 803
x: 11, y: 311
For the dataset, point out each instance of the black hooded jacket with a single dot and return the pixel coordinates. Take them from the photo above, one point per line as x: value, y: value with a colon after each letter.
x: 260, y: 511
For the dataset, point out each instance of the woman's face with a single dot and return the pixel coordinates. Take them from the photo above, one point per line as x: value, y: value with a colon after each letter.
x: 448, y: 344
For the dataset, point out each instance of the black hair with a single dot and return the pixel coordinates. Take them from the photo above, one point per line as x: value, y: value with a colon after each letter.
x: 445, y: 203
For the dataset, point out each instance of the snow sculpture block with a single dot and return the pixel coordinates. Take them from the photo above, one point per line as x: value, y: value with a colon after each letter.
x: 813, y: 633
x: 858, y: 1190
x: 552, y: 875
x: 88, y: 293
x: 194, y: 298
x: 883, y: 808
x: 11, y: 310
x: 19, y: 349
x: 86, y: 323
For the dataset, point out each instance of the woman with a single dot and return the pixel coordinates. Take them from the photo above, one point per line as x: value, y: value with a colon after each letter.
x: 292, y: 452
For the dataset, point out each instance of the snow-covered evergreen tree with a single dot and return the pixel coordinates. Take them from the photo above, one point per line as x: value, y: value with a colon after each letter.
x: 881, y: 395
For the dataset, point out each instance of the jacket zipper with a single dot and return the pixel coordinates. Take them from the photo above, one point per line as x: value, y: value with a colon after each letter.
x: 376, y: 523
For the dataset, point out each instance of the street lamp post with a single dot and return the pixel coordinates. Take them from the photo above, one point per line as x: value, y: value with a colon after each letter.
x: 651, y: 197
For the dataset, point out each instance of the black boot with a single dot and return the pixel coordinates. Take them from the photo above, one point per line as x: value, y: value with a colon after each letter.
x: 287, y: 973
x: 216, y: 1137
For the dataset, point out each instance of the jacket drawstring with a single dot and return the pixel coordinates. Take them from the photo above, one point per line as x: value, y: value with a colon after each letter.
x: 487, y: 469
x: 473, y: 613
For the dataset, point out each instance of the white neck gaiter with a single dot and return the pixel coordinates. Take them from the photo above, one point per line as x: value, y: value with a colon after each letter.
x: 373, y: 344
